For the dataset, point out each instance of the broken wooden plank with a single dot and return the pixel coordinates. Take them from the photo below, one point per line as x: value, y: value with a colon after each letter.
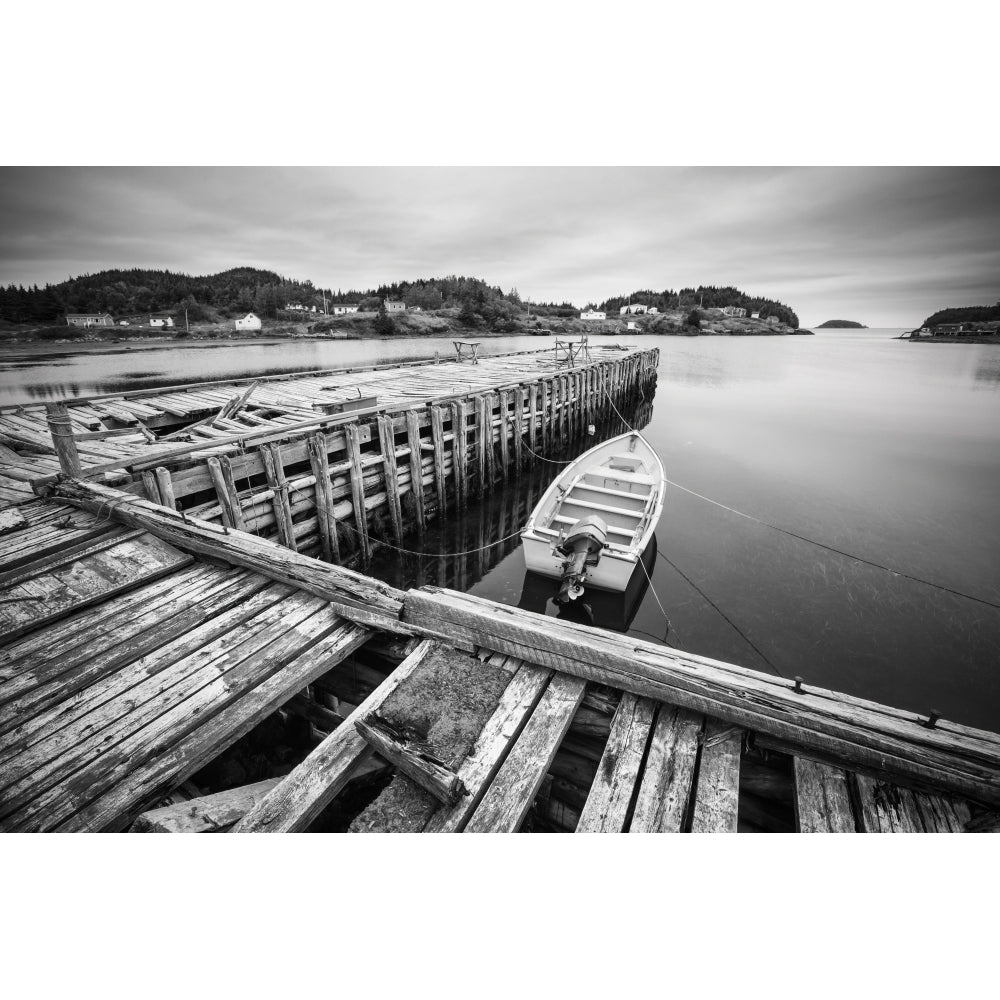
x: 607, y: 806
x: 662, y: 802
x: 716, y: 805
x: 885, y: 807
x: 822, y: 799
x: 304, y: 793
x: 207, y: 814
x: 417, y: 762
x: 511, y: 793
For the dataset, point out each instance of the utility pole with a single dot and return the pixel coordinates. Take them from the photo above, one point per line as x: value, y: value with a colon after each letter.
x: 187, y: 326
x: 325, y: 313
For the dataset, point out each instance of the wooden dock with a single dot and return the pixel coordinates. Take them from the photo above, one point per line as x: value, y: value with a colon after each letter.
x: 186, y: 648
x: 143, y: 645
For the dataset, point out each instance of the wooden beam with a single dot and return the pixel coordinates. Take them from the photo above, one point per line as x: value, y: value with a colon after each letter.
x: 852, y: 731
x: 207, y: 814
x: 437, y: 436
x: 61, y: 429
x: 275, y: 472
x: 354, y: 595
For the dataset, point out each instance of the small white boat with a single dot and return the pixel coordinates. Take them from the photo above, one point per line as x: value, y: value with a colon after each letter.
x: 594, y: 522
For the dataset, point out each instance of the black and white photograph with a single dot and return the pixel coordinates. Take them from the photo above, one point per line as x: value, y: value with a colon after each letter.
x: 421, y: 468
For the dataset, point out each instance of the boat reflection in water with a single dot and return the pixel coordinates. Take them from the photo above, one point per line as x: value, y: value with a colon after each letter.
x: 600, y: 608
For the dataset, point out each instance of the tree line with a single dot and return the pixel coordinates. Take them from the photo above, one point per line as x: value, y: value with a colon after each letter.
x: 964, y: 314
x: 704, y: 296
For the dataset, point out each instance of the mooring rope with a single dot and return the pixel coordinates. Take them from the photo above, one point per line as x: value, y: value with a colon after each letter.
x: 813, y: 541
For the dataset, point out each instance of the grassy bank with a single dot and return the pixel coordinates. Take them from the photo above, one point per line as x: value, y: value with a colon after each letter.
x: 363, y: 326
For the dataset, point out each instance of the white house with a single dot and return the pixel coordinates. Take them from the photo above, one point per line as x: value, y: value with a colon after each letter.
x: 653, y: 310
x: 161, y: 321
x: 633, y: 309
x: 755, y: 315
x: 632, y: 325
x: 89, y: 319
x: 249, y: 322
x: 593, y: 314
x: 295, y: 306
x: 392, y: 306
x: 734, y: 311
x: 344, y: 310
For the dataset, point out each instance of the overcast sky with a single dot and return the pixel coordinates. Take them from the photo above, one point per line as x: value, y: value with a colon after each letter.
x: 883, y: 246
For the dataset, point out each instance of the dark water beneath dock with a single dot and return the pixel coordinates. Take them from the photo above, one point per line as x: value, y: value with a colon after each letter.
x: 875, y: 446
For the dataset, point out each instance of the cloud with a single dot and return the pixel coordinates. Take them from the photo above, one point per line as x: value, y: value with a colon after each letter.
x: 882, y: 245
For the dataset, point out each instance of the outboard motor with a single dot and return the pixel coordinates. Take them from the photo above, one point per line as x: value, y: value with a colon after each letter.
x: 582, y: 548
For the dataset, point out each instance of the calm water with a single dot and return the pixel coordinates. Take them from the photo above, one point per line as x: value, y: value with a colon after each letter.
x: 875, y: 446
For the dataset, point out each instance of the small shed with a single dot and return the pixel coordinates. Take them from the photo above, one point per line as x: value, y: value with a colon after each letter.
x: 394, y: 306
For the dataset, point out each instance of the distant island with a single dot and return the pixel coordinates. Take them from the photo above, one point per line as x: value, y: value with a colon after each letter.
x: 841, y: 324
x: 246, y: 303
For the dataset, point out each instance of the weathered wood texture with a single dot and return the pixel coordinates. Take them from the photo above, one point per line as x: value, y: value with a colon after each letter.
x: 304, y: 793
x: 358, y: 597
x: 607, y: 806
x: 665, y: 790
x: 822, y: 798
x: 716, y: 806
x: 208, y: 814
x: 853, y: 731
x: 512, y: 791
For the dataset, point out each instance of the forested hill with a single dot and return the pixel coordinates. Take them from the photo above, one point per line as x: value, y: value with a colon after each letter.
x: 964, y: 314
x: 238, y: 290
x: 707, y: 296
x: 841, y: 324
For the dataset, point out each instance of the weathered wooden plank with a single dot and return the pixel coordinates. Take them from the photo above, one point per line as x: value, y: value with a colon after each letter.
x: 814, y: 720
x: 822, y: 799
x: 360, y: 597
x: 61, y: 429
x: 665, y: 788
x: 942, y: 813
x: 304, y: 793
x: 208, y: 814
x: 885, y: 807
x: 505, y: 433
x: 274, y: 469
x: 147, y: 782
x: 511, y: 793
x: 716, y: 805
x: 518, y: 428
x: 484, y: 760
x: 607, y: 805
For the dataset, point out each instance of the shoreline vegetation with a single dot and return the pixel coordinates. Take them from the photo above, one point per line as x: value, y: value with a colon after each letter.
x: 142, y: 305
x: 430, y: 324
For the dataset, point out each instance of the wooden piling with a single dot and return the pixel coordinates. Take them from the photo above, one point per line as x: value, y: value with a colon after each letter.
x: 149, y: 485
x: 320, y: 464
x: 481, y: 424
x: 166, y: 487
x: 518, y: 428
x: 533, y: 421
x: 275, y: 472
x: 61, y: 429
x: 416, y: 466
x: 225, y: 492
x: 460, y: 450
x: 387, y: 441
x: 437, y: 436
x: 491, y: 474
x: 358, y: 490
